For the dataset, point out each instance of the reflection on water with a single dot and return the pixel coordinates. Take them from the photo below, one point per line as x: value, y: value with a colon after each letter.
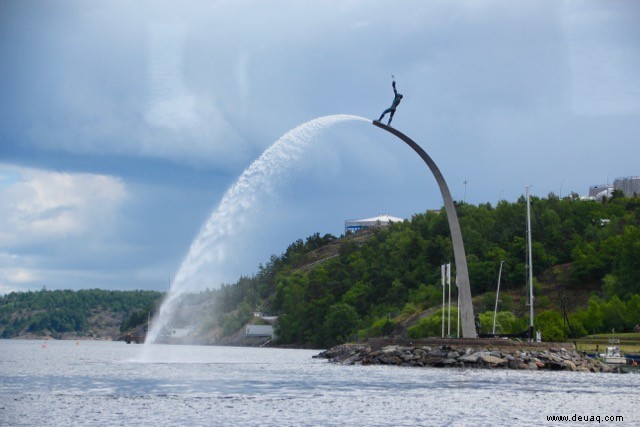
x: 106, y: 383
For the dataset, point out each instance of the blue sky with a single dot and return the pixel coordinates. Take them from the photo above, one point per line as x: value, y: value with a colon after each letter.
x: 123, y: 123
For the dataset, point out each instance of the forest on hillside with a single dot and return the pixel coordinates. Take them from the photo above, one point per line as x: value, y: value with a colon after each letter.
x: 586, y: 261
x: 56, y: 312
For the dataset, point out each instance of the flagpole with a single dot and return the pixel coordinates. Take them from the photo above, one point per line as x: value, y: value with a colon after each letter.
x: 442, y: 273
x: 449, y: 283
x: 458, y: 320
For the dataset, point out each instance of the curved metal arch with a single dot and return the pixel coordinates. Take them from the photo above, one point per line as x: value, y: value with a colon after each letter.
x: 466, y: 305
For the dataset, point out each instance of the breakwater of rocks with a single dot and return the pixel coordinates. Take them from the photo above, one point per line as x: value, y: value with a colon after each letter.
x: 487, y: 354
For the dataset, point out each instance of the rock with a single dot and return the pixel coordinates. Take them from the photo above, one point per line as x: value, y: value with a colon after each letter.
x: 389, y: 360
x: 481, y: 353
x: 389, y: 349
x: 553, y: 358
x: 515, y: 363
x: 433, y: 361
x: 493, y: 360
x: 351, y: 360
x: 472, y: 358
x: 439, y: 353
x: 570, y: 365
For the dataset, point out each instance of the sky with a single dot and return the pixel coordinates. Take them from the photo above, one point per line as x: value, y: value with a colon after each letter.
x: 123, y: 123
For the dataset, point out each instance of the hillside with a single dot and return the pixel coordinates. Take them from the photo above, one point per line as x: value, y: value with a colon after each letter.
x: 84, y: 314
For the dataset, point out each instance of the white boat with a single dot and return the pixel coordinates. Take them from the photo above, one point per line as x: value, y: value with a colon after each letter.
x: 612, y: 354
x: 613, y: 357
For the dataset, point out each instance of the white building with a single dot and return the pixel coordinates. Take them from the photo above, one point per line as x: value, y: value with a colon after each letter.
x: 377, y: 221
x: 629, y: 185
x: 598, y: 191
x: 259, y: 331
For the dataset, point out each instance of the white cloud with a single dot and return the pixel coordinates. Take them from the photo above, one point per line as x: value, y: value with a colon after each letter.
x: 19, y: 275
x: 40, y: 206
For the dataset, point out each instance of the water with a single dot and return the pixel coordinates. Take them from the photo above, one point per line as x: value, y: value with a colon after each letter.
x: 106, y: 383
x: 210, y: 249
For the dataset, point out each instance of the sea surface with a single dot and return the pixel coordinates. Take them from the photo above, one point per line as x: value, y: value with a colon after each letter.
x: 97, y: 383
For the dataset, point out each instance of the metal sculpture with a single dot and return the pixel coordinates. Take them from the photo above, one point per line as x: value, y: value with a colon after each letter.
x: 466, y: 305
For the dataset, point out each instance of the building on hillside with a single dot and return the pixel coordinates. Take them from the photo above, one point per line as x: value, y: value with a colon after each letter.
x: 600, y: 190
x: 355, y: 225
x: 629, y: 185
x: 259, y: 331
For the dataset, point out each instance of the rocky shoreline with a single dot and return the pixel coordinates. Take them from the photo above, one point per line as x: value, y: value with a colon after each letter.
x: 483, y: 354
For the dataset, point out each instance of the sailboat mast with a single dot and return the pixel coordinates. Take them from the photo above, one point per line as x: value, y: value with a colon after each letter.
x: 495, y: 310
x: 530, y: 260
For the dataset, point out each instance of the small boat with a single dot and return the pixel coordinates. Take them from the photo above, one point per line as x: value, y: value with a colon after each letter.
x: 612, y: 354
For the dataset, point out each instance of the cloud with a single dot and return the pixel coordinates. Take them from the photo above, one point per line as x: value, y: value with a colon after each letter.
x: 40, y: 206
x: 51, y: 220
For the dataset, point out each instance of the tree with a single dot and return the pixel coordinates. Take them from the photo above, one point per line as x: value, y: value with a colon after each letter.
x: 341, y: 321
x: 551, y: 325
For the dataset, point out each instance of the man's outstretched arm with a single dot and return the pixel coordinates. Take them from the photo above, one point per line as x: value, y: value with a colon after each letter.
x: 393, y: 84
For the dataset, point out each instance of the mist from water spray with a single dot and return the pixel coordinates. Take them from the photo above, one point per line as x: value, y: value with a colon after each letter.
x: 259, y: 179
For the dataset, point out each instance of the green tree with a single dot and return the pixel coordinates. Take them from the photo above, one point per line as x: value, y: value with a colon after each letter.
x: 341, y: 321
x: 551, y: 325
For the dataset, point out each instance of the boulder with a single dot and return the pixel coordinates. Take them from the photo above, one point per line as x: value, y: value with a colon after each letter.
x: 471, y: 358
x: 433, y: 361
x: 439, y: 353
x: 389, y: 349
x: 515, y: 363
x: 493, y: 360
x: 389, y: 360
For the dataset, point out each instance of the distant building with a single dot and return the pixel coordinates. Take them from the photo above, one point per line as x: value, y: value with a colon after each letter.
x: 630, y: 185
x: 596, y: 191
x: 377, y: 221
x: 259, y: 331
